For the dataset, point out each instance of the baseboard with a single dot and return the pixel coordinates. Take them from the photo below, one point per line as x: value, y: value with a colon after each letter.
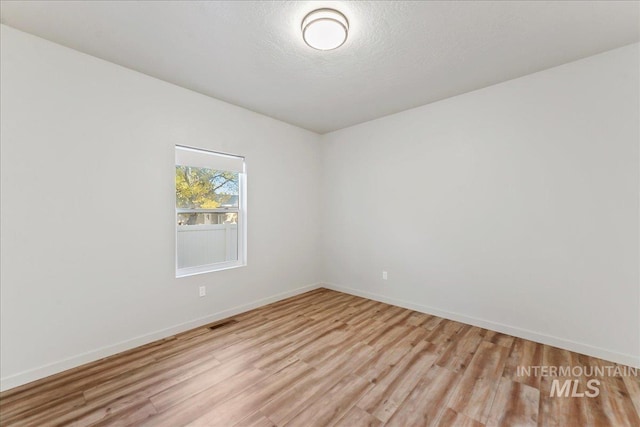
x: 25, y: 377
x: 612, y: 356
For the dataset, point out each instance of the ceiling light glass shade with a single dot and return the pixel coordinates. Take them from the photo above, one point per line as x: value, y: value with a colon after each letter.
x: 325, y: 29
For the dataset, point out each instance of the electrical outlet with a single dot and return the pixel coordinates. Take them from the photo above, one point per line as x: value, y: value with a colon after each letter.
x: 203, y: 291
x: 384, y: 275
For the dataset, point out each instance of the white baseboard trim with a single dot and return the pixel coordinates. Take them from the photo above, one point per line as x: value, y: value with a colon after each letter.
x: 612, y: 356
x: 25, y: 377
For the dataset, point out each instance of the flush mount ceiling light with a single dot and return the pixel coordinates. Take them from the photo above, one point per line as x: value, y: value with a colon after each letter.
x: 325, y: 29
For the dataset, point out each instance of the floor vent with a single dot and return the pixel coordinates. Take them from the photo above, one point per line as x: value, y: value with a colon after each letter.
x: 223, y: 324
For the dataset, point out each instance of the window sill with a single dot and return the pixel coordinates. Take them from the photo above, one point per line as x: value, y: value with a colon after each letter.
x: 211, y: 268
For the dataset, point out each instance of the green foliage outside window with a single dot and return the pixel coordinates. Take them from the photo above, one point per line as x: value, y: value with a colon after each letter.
x: 200, y: 188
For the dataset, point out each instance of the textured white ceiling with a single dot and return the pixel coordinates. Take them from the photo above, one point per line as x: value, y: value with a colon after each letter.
x: 399, y: 54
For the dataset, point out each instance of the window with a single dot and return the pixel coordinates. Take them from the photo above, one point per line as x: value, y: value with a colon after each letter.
x: 210, y: 211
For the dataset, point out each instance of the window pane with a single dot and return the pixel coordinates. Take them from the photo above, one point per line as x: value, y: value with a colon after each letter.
x: 206, y: 243
x: 201, y: 218
x: 201, y: 188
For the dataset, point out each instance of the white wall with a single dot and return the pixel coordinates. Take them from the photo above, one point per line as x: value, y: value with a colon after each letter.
x: 87, y: 247
x: 513, y: 207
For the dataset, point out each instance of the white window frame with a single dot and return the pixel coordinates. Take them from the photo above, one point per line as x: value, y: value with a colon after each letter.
x: 241, y: 210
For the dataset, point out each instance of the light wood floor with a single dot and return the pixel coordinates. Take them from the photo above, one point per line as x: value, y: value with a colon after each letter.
x: 324, y: 358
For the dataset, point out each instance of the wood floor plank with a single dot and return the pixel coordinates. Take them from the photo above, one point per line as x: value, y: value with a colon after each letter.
x: 443, y: 334
x: 432, y: 322
x: 368, y: 311
x: 36, y: 416
x: 175, y: 394
x: 329, y: 408
x: 365, y: 326
x: 383, y: 336
x: 247, y: 343
x: 235, y: 408
x: 459, y: 354
x: 499, y: 338
x: 284, y: 323
x: 416, y: 318
x: 385, y: 358
x: 560, y: 411
x: 320, y: 343
x: 612, y: 406
x: 524, y: 353
x: 283, y: 408
x: 427, y: 401
x: 479, y: 383
x: 400, y: 319
x: 515, y: 404
x: 389, y: 393
x: 257, y: 419
x: 346, y: 314
x: 357, y: 417
x: 296, y: 343
x: 326, y: 358
x: 453, y: 418
x: 133, y: 393
x: 633, y: 389
x: 150, y: 374
x: 131, y: 417
x: 193, y: 407
x: 388, y: 313
x: 332, y: 308
x: 321, y: 357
